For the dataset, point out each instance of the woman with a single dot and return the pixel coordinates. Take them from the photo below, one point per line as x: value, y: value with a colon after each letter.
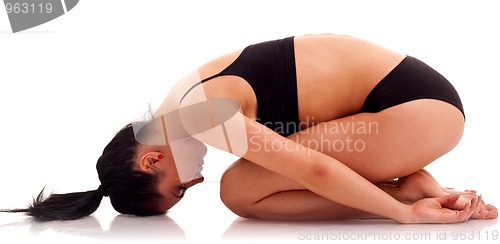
x: 327, y: 127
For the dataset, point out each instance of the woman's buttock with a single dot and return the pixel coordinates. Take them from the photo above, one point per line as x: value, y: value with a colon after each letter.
x: 335, y: 74
x: 411, y: 80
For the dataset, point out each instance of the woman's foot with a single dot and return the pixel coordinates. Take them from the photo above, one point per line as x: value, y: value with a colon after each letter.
x: 421, y: 185
x: 418, y: 186
x: 487, y: 211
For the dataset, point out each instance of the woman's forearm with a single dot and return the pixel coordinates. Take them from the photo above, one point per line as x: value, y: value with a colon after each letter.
x: 337, y: 182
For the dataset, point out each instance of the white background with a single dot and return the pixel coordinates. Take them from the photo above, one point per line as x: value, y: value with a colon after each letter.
x: 68, y: 85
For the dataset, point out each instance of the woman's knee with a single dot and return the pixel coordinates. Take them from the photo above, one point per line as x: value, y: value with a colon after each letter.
x: 232, y: 193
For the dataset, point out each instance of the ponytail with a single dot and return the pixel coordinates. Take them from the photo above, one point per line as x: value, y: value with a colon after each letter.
x: 130, y: 191
x: 67, y: 206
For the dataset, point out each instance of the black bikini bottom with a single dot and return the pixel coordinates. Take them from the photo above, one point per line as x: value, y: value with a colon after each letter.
x: 412, y: 79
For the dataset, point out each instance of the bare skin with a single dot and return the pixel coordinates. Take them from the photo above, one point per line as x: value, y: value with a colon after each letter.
x: 309, y: 176
x: 422, y: 184
x: 297, y: 203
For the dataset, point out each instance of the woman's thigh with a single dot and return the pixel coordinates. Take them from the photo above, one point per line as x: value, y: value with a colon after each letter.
x: 389, y: 144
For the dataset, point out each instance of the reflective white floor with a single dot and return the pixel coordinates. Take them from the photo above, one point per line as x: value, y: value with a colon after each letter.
x: 201, y: 217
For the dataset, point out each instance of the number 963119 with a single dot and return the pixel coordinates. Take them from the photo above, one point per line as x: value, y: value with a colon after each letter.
x: 28, y: 8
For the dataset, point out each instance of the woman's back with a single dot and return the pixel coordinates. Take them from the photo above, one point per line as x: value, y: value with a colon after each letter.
x: 341, y: 70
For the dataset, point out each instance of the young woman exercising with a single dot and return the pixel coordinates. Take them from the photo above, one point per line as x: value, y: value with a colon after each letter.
x: 327, y: 127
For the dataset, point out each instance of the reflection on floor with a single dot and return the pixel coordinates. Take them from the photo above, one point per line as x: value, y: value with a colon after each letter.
x: 201, y: 217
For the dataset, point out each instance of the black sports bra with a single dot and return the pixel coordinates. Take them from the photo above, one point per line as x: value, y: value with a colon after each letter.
x: 269, y: 68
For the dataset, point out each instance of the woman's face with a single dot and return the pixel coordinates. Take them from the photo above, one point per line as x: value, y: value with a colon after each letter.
x: 181, y: 169
x: 188, y: 154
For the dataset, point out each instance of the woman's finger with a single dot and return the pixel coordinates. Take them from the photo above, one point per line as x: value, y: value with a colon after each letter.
x: 448, y: 199
x: 474, y: 207
x: 454, y: 216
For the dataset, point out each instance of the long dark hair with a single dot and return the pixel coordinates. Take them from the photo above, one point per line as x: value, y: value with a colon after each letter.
x: 131, y: 191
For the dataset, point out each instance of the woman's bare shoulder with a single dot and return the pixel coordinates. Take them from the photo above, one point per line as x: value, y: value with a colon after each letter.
x: 218, y: 64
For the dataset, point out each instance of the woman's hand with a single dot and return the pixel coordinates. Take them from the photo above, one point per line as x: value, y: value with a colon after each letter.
x: 431, y: 210
x: 484, y: 211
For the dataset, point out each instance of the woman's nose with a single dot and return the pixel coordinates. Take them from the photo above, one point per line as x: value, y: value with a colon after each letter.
x: 194, y: 182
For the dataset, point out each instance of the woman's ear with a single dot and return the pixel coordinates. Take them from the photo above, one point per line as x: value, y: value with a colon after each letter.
x: 148, y: 160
